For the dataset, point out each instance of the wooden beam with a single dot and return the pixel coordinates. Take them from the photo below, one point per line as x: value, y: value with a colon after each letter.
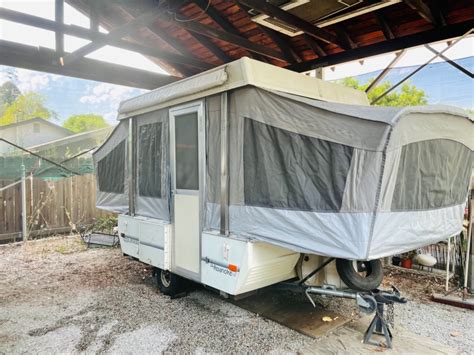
x: 281, y: 41
x: 42, y: 59
x: 450, y: 62
x: 315, y: 47
x: 95, y: 8
x: 287, y: 17
x: 212, y: 47
x: 422, y: 9
x: 116, y: 33
x: 438, y: 9
x: 387, y: 31
x: 344, y: 36
x: 59, y: 18
x: 85, y: 33
x: 212, y: 32
x: 397, y: 44
x: 224, y: 23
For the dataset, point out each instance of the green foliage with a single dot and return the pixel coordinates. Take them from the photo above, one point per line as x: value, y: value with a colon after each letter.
x: 106, y: 224
x: 84, y: 123
x: 406, y: 95
x: 26, y: 107
x: 9, y: 92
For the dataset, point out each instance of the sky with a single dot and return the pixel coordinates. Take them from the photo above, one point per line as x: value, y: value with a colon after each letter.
x: 67, y: 96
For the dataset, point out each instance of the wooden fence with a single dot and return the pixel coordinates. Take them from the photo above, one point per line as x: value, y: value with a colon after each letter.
x: 51, y: 205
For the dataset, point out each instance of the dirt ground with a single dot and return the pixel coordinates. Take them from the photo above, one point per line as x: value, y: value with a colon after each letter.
x: 56, y: 296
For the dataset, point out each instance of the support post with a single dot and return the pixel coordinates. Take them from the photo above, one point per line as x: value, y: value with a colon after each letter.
x: 23, y: 204
x: 59, y: 34
x: 131, y: 167
x: 224, y: 208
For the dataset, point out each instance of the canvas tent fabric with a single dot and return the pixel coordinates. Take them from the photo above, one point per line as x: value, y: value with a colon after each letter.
x: 340, y: 180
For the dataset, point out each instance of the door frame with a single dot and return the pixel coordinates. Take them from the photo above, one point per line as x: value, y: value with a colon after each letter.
x: 199, y: 108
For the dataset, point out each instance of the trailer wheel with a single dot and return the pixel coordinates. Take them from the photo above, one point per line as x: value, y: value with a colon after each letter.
x: 360, y: 275
x: 170, y: 284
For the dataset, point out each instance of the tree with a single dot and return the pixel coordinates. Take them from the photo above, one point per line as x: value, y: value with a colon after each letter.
x: 9, y: 92
x: 26, y: 107
x: 407, y: 95
x: 83, y: 123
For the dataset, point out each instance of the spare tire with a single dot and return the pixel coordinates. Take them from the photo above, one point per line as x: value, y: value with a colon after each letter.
x: 360, y: 275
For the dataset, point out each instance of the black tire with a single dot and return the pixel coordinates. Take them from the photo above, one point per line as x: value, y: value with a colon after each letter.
x: 352, y: 277
x: 170, y: 284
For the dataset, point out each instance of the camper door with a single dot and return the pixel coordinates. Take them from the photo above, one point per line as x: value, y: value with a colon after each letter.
x: 187, y: 134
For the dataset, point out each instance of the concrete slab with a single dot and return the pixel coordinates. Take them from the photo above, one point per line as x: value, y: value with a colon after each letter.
x: 292, y: 312
x: 348, y: 340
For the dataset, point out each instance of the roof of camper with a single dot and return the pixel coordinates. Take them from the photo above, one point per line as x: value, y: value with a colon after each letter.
x: 239, y: 73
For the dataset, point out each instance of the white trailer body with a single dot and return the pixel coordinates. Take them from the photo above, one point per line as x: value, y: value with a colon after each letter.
x: 210, y: 209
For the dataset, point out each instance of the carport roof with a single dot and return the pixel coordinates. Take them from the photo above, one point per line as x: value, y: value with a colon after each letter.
x: 188, y: 37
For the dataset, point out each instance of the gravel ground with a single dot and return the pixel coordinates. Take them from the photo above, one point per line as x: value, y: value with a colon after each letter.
x: 57, y: 297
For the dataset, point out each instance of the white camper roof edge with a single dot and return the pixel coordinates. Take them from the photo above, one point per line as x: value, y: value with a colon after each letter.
x: 239, y: 73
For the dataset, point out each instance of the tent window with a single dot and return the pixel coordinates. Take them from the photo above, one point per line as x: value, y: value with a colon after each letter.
x: 432, y: 174
x: 149, y: 160
x: 187, y: 151
x: 287, y: 170
x: 111, y: 170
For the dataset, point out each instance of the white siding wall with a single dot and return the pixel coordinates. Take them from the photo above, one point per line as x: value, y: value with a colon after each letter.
x: 25, y: 135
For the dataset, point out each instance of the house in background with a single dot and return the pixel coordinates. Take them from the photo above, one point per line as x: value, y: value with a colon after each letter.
x: 30, y: 133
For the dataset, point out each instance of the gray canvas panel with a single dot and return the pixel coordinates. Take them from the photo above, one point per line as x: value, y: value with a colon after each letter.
x: 360, y: 192
x: 149, y: 160
x: 153, y: 190
x: 111, y: 170
x: 293, y: 171
x: 398, y: 232
x: 286, y: 113
x: 108, y: 200
x: 432, y: 174
x: 213, y: 160
x: 342, y: 235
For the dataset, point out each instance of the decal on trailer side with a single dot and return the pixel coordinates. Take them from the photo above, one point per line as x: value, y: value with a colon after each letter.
x: 219, y: 267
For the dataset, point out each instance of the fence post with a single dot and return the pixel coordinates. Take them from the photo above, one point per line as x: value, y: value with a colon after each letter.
x: 23, y: 203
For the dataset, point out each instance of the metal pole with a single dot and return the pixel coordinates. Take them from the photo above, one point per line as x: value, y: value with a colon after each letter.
x: 447, y: 264
x: 468, y: 249
x: 23, y: 204
x: 224, y: 166
x: 420, y: 67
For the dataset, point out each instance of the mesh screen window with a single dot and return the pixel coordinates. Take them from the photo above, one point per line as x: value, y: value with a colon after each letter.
x: 187, y: 162
x: 287, y: 170
x: 149, y: 160
x: 111, y: 170
x: 432, y: 174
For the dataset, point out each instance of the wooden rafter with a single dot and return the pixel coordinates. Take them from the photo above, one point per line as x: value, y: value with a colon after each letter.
x: 43, y: 59
x: 397, y: 44
x: 115, y: 34
x: 280, y: 41
x: 59, y: 18
x: 387, y: 31
x: 315, y: 47
x: 221, y: 35
x: 225, y: 24
x: 287, y: 17
x: 422, y: 9
x: 85, y: 33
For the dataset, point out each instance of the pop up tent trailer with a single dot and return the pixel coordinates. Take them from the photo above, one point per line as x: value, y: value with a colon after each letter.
x: 228, y: 177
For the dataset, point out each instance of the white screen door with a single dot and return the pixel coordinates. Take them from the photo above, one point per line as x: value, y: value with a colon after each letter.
x: 187, y: 160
